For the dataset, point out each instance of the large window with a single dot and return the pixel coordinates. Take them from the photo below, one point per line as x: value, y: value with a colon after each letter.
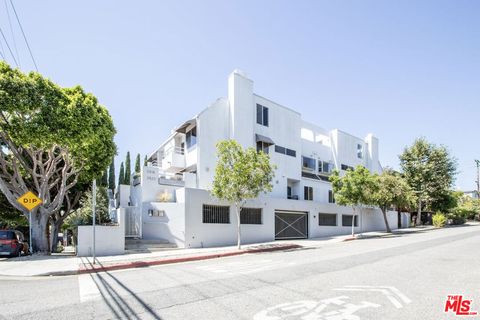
x: 251, y: 216
x: 262, y: 146
x: 216, y: 214
x: 324, y: 167
x: 327, y: 219
x: 283, y: 150
x: 347, y: 220
x: 308, y: 163
x: 307, y: 193
x: 331, y: 198
x: 191, y: 137
x: 262, y: 115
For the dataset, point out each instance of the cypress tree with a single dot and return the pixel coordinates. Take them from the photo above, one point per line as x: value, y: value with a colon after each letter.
x: 128, y: 169
x: 137, y: 163
x: 145, y: 161
x: 111, y: 176
x: 121, y: 175
x: 104, y: 182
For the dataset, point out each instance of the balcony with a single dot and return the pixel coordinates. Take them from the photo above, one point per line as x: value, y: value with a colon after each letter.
x: 173, y: 159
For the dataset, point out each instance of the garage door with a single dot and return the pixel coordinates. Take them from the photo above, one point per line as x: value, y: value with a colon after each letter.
x: 291, y: 225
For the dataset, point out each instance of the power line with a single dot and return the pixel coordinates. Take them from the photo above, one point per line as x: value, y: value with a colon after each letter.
x: 13, y: 34
x: 1, y: 51
x: 24, y: 36
x: 8, y: 46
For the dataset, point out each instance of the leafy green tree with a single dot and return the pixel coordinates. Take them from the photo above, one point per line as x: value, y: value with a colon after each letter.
x: 52, y: 139
x: 145, y: 161
x: 137, y: 163
x: 354, y: 189
x: 10, y: 218
x: 240, y: 175
x: 111, y: 176
x: 391, y: 190
x: 128, y: 169
x: 121, y: 175
x: 429, y: 170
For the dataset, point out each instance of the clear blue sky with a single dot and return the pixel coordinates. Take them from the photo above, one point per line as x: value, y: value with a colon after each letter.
x: 398, y: 69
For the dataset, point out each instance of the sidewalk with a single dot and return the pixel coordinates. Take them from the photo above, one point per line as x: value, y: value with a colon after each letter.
x: 56, y: 265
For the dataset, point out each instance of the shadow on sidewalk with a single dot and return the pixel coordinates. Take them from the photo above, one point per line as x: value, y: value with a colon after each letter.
x: 118, y: 305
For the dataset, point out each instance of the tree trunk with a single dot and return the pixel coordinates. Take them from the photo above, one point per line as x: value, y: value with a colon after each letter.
x: 39, y: 232
x: 353, y: 222
x: 419, y: 212
x: 54, y: 235
x: 384, y: 212
x: 239, y: 233
x: 399, y: 218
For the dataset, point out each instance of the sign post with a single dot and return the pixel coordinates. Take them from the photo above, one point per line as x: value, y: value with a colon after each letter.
x: 29, y: 201
x: 94, y: 203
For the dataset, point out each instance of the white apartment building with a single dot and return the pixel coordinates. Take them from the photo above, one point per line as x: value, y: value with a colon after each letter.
x: 169, y: 200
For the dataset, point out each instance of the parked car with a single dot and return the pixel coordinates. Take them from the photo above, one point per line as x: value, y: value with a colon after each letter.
x: 12, y: 243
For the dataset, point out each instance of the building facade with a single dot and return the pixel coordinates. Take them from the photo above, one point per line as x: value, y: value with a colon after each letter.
x: 169, y: 199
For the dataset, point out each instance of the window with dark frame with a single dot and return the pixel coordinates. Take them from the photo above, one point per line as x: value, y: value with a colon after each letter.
x: 262, y: 146
x: 308, y: 193
x: 251, y: 216
x: 286, y: 151
x: 216, y: 214
x: 345, y: 167
x: 331, y: 198
x: 262, y: 115
x: 347, y: 220
x: 327, y: 219
x: 191, y: 137
x: 308, y: 163
x: 359, y: 151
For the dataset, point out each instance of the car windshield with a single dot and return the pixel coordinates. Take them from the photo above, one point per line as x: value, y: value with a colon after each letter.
x: 7, y: 235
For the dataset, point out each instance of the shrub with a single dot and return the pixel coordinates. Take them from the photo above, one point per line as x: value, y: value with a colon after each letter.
x: 439, y: 220
x: 456, y: 218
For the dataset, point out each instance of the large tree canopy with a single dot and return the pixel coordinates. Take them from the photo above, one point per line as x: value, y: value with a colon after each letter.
x: 430, y: 172
x: 52, y: 138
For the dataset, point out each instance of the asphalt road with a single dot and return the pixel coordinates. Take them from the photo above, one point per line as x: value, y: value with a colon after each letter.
x: 400, y: 277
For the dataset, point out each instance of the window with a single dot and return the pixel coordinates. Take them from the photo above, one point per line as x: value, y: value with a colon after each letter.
x: 345, y: 167
x: 156, y: 213
x: 251, y: 216
x: 331, y: 198
x: 191, y: 137
x: 308, y: 193
x: 291, y: 153
x: 216, y: 214
x: 283, y: 150
x: 279, y: 149
x: 359, y: 151
x: 327, y: 219
x: 262, y: 115
x: 324, y: 167
x: 347, y: 220
x: 262, y: 146
x: 315, y: 176
x: 308, y: 163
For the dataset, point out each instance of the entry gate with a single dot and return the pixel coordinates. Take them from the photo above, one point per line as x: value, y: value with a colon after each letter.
x: 291, y: 225
x: 133, y: 222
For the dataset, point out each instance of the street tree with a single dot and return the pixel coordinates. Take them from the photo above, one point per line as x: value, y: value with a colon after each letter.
x: 104, y: 180
x: 240, y: 174
x: 391, y: 190
x: 429, y: 170
x: 52, y: 138
x: 111, y: 176
x: 128, y: 169
x: 121, y: 175
x: 137, y: 163
x: 354, y: 189
x: 145, y: 161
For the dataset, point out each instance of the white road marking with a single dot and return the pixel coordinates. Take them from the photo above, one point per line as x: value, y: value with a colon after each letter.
x: 391, y: 293
x: 87, y: 288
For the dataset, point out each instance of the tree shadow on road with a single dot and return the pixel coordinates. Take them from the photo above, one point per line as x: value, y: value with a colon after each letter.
x: 118, y: 305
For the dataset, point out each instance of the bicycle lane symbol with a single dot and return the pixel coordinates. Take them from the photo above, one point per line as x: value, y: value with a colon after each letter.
x: 337, y: 308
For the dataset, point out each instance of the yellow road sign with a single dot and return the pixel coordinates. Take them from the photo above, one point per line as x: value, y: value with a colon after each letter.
x: 29, y: 200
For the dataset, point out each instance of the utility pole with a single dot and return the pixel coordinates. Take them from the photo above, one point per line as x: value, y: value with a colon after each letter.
x: 94, y: 203
x: 477, y: 162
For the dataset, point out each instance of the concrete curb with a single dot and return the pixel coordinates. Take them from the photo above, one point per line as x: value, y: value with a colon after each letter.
x: 142, y: 264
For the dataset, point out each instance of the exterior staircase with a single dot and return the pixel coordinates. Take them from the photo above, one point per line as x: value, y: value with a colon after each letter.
x: 145, y: 246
